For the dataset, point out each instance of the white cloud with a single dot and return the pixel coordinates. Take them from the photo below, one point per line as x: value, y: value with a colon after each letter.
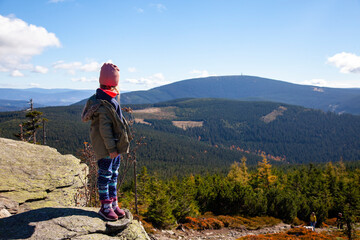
x: 160, y: 7
x: 40, y: 69
x: 91, y: 67
x: 16, y: 73
x: 3, y: 69
x: 154, y: 80
x: 72, y: 67
x: 201, y: 73
x: 34, y: 85
x: 67, y: 66
x: 158, y: 77
x: 132, y: 69
x: 20, y: 41
x: 134, y: 80
x: 347, y: 62
x: 316, y: 82
x: 84, y: 79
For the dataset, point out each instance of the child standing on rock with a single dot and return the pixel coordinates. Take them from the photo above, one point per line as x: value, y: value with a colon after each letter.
x: 110, y: 137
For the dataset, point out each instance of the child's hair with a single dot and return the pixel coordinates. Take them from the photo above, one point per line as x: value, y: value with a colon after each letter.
x: 112, y: 88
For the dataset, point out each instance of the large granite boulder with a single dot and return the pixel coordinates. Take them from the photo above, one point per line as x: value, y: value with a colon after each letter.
x: 37, y: 176
x: 69, y: 223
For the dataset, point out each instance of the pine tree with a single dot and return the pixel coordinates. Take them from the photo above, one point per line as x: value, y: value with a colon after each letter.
x: 351, y: 207
x: 183, y: 198
x: 144, y: 190
x: 238, y: 172
x: 160, y: 209
x: 28, y: 129
x: 32, y: 125
x: 264, y: 176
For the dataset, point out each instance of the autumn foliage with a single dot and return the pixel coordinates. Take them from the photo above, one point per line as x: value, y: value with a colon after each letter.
x: 203, y: 223
x: 294, y: 234
x: 209, y: 221
x: 330, y: 221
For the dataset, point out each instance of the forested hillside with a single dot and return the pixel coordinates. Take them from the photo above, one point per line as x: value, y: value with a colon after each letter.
x: 253, y: 88
x: 288, y: 133
x: 209, y: 134
x: 267, y: 191
x: 166, y: 153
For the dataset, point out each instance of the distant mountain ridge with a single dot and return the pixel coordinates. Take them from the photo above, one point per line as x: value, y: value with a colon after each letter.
x: 252, y: 88
x: 242, y: 87
x: 15, y: 105
x: 17, y: 99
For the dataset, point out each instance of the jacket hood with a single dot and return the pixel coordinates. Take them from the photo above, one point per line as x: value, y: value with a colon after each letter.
x: 92, y: 105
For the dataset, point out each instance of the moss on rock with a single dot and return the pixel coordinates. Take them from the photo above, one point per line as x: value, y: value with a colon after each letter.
x: 38, y: 175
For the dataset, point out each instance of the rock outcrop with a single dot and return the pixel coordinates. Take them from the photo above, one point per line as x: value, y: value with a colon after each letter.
x: 69, y: 223
x: 37, y: 189
x: 8, y: 207
x: 36, y: 176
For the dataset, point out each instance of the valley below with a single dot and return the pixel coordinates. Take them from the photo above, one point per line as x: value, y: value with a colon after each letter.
x: 210, y: 168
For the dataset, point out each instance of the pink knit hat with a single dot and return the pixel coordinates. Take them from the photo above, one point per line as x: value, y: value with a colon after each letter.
x: 109, y: 75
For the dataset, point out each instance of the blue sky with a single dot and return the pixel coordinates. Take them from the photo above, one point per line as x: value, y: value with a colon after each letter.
x: 63, y: 43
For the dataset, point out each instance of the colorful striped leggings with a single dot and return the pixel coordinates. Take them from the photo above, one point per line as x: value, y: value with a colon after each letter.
x: 107, y: 177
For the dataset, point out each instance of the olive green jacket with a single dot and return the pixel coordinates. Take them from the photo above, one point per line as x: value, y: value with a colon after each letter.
x: 107, y: 132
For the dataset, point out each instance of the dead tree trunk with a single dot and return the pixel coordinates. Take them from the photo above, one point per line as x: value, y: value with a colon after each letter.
x: 44, y: 132
x: 135, y: 183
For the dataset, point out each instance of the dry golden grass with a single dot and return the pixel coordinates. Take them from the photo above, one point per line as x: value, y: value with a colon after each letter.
x: 155, y: 113
x: 163, y: 113
x: 142, y: 121
x: 274, y: 114
x: 187, y: 124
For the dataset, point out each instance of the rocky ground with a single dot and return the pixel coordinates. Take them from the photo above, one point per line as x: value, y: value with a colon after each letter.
x: 69, y: 223
x: 38, y: 189
x: 330, y: 232
x: 221, y: 234
x: 38, y: 176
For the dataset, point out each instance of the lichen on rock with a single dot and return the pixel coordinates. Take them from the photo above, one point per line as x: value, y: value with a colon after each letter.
x: 69, y: 223
x: 38, y: 175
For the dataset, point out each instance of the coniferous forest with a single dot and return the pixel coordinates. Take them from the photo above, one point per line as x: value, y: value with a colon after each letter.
x: 229, y: 129
x: 247, y: 159
x: 188, y: 119
x: 290, y: 195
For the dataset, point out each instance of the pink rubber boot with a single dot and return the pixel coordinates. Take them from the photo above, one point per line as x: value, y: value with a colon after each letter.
x: 106, y: 210
x: 119, y: 212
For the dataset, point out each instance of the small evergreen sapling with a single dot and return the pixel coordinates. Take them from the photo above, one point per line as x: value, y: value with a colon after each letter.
x: 29, y: 128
